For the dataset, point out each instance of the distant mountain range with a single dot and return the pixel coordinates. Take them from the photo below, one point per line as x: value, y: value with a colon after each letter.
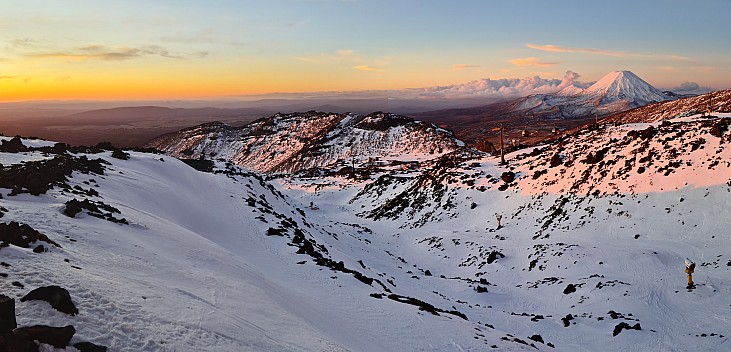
x: 615, y: 92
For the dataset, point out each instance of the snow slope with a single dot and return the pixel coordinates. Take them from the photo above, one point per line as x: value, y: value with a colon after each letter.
x: 719, y: 101
x: 410, y: 258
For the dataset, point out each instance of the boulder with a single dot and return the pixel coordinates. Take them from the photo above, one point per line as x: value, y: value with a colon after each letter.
x: 7, y: 315
x: 54, y: 336
x: 14, y: 343
x: 57, y: 296
x: 89, y: 347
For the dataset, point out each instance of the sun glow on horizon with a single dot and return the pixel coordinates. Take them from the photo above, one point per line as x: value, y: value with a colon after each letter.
x: 166, y: 50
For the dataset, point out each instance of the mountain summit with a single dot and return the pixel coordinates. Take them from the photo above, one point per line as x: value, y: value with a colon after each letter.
x: 624, y: 85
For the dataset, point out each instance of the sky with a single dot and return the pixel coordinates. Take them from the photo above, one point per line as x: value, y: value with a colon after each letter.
x: 185, y: 49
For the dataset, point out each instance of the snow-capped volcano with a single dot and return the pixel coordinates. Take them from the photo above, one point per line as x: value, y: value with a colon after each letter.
x: 616, y: 91
x: 624, y: 85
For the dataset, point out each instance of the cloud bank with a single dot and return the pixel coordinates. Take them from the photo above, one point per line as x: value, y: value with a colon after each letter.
x: 495, y: 88
x: 691, y: 88
x: 106, y: 53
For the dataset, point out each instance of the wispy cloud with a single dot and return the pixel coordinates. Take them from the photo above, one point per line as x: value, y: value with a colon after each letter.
x: 106, y: 53
x: 327, y: 58
x: 458, y: 67
x: 368, y: 68
x: 206, y: 36
x: 55, y: 22
x: 23, y: 43
x: 667, y: 68
x: 702, y: 68
x: 563, y: 49
x: 531, y: 61
x: 7, y: 77
x: 345, y: 56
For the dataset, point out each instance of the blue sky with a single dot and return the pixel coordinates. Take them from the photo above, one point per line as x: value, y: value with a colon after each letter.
x: 126, y: 49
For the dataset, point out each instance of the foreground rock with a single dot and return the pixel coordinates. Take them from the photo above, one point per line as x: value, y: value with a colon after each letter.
x: 57, y: 296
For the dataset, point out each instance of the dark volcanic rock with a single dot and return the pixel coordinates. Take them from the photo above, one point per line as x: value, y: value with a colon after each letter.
x: 537, y: 338
x: 14, y: 145
x: 119, y: 154
x: 493, y: 256
x: 567, y: 320
x: 625, y: 326
x: 37, y: 177
x: 54, y: 336
x: 571, y: 288
x: 89, y: 347
x: 508, y: 176
x: 99, y: 210
x: 57, y: 296
x: 556, y: 160
x: 22, y: 235
x: 15, y: 343
x: 7, y: 314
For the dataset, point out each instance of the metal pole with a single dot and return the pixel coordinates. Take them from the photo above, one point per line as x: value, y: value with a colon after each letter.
x: 502, y: 146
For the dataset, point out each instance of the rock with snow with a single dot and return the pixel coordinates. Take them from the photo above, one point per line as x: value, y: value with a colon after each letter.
x: 58, y: 297
x: 58, y: 337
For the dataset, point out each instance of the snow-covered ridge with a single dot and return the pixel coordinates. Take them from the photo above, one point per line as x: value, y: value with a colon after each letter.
x: 632, y: 159
x: 719, y: 101
x: 291, y: 142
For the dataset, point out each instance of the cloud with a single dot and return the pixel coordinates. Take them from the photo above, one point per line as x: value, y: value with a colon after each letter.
x: 667, y: 68
x: 7, y: 77
x: 23, y: 43
x: 206, y: 36
x: 327, y: 58
x: 691, y: 88
x: 615, y: 53
x: 571, y: 78
x: 561, y: 49
x: 531, y: 61
x: 702, y: 68
x: 368, y: 68
x: 105, y: 53
x: 494, y: 88
x: 457, y: 67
